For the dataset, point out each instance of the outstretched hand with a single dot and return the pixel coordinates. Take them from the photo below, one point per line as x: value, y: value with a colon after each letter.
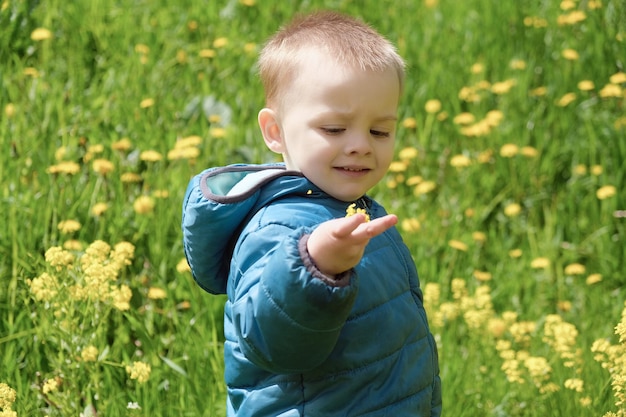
x: 338, y: 245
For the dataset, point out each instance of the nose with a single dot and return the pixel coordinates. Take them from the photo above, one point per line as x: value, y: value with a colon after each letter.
x: 358, y: 143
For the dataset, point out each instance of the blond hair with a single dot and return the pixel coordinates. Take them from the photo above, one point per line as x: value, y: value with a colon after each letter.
x: 348, y: 40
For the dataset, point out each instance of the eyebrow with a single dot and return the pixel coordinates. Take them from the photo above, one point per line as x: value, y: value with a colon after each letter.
x: 350, y: 115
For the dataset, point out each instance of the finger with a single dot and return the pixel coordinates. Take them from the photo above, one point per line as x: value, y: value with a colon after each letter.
x: 344, y: 226
x: 375, y: 227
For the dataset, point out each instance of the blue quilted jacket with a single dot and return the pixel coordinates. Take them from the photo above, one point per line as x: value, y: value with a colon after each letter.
x: 299, y: 343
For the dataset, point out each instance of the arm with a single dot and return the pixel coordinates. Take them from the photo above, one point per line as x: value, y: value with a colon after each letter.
x: 288, y: 312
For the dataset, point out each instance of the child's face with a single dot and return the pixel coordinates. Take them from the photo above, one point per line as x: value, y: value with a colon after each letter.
x: 338, y: 125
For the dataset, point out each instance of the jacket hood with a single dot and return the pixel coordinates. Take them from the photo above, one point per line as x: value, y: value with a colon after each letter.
x: 217, y: 205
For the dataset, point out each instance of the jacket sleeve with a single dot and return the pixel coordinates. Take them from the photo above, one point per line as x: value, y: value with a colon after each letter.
x: 285, y: 316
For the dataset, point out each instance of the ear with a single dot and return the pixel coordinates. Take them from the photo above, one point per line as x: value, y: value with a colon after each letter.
x: 271, y: 131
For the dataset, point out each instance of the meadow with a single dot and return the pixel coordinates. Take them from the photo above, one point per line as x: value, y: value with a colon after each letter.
x: 508, y: 183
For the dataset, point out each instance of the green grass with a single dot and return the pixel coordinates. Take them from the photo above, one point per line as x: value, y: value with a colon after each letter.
x: 84, y: 90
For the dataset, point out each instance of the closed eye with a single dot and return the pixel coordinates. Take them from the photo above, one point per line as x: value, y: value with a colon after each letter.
x: 332, y: 130
x: 379, y: 133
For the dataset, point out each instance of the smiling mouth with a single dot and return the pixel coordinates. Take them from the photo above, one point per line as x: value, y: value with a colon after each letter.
x: 349, y: 169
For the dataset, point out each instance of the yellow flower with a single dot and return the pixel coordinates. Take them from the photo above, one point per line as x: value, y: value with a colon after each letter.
x: 509, y: 150
x: 121, y: 297
x: 99, y: 208
x: 580, y: 169
x: 529, y: 152
x: 414, y: 180
x: 586, y: 85
x: 121, y: 145
x: 143, y: 204
x: 183, y: 266
x: 142, y: 48
x: 7, y: 396
x: 56, y: 256
x: 397, y: 166
x: 460, y: 161
x: 570, y: 54
x: 411, y: 225
x: 9, y: 110
x: 155, y: 293
x: 130, y: 177
x: 353, y: 209
x: 69, y: 226
x: 479, y: 236
x: 458, y: 245
x: 502, y: 87
x: 477, y: 68
x: 539, y: 91
x: 139, y: 371
x: 517, y: 64
x: 571, y: 18
x: 515, y: 253
x: 183, y: 153
x: 605, y: 192
x: 494, y: 117
x: 482, y: 275
x: 103, y: 166
x: 567, y: 5
x: 250, y: 48
x: 50, y: 385
x: 66, y: 167
x: 150, y: 156
x: 424, y: 187
x: 220, y: 42
x: 618, y: 78
x: 206, y: 53
x: 611, y: 90
x: 512, y: 210
x: 409, y: 123
x: 593, y: 279
x: 566, y: 99
x: 408, y: 153
x: 575, y: 269
x: 575, y: 384
x: 464, y: 118
x: 432, y: 106
x: 89, y: 354
x: 540, y: 263
x: 146, y: 102
x: 597, y: 170
x: 41, y: 34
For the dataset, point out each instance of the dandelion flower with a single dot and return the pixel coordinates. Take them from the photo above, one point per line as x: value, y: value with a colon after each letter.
x: 150, y: 156
x: 575, y: 269
x: 139, y: 371
x: 593, y: 279
x: 103, y: 166
x: 207, y: 53
x: 432, y: 106
x: 566, y: 99
x: 66, y: 167
x: 618, y: 78
x: 142, y: 48
x: 155, y: 293
x: 99, y: 208
x: 529, y: 152
x: 123, y: 144
x: 571, y: 18
x: 605, y: 192
x: 220, y: 42
x: 586, y: 85
x: 414, y: 180
x: 411, y: 225
x: 512, y: 210
x: 540, y: 263
x: 464, y: 118
x: 146, y: 102
x: 69, y: 226
x: 40, y: 34
x: 460, y: 161
x: 482, y: 275
x: 477, y: 68
x: 502, y: 87
x: 183, y: 153
x: 570, y: 54
x: 424, y: 187
x: 397, y: 166
x: 250, y: 47
x: 494, y: 117
x: 509, y: 150
x: 611, y: 90
x: 183, y: 266
x: 130, y: 177
x: 517, y: 64
x: 515, y: 253
x: 143, y: 204
x: 409, y: 123
x: 353, y: 209
x: 596, y: 170
x: 458, y: 245
x: 539, y: 91
x: 408, y: 153
x: 9, y: 110
x: 479, y: 236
